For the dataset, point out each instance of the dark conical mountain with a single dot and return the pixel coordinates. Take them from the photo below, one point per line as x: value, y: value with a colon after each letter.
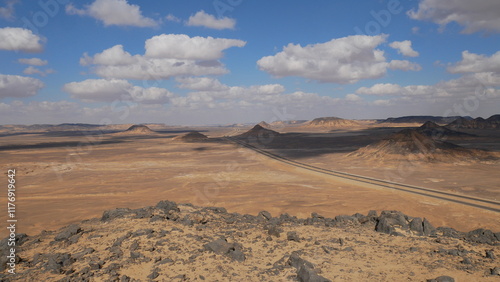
x: 259, y: 132
x: 411, y: 144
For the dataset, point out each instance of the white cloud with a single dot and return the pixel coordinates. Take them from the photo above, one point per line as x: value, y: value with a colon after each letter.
x: 459, y: 88
x: 479, y: 15
x: 33, y: 70
x: 19, y: 86
x: 203, y: 19
x: 19, y: 39
x: 172, y: 18
x: 33, y: 61
x: 343, y: 60
x: 109, y: 90
x: 404, y: 65
x: 353, y: 98
x: 114, y: 12
x: 166, y: 56
x: 7, y: 12
x: 476, y: 63
x: 201, y: 84
x: 404, y: 47
x: 181, y: 46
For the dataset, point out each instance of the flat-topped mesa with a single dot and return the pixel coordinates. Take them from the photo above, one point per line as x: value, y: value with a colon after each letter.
x: 332, y: 122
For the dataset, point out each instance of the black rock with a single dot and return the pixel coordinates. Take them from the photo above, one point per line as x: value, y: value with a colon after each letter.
x: 154, y: 274
x: 67, y: 232
x: 450, y: 232
x: 390, y: 219
x: 292, y: 236
x: 417, y: 225
x: 167, y: 206
x: 466, y: 261
x: 495, y: 271
x: 442, y: 279
x: 274, y: 231
x: 428, y: 228
x: 56, y: 262
x: 221, y: 246
x: 296, y: 261
x: 490, y: 254
x: 306, y: 274
x: 482, y: 236
x: 116, y: 213
x: 265, y: 214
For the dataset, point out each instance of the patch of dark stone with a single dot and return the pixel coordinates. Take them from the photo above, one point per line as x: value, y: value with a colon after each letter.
x: 69, y: 234
x: 441, y: 279
x: 222, y: 247
x: 305, y: 269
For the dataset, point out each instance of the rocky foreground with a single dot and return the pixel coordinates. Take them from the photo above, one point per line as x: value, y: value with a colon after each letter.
x: 171, y: 242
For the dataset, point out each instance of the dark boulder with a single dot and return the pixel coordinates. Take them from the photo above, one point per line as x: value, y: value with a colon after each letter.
x: 116, y: 213
x: 68, y: 232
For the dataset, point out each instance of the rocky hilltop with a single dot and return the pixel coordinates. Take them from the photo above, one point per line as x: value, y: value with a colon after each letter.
x: 415, y: 144
x: 181, y: 242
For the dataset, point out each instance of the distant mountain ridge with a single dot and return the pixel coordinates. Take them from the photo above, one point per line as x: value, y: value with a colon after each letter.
x: 423, y: 119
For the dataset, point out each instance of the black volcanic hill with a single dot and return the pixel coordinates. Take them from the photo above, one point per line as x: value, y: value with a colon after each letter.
x: 332, y: 122
x: 435, y: 130
x: 492, y: 122
x: 411, y: 144
x: 259, y: 132
x: 139, y: 129
x: 192, y: 136
x: 423, y: 119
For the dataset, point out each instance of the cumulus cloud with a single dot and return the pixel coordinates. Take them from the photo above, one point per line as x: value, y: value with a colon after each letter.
x: 462, y: 87
x: 181, y: 46
x: 209, y: 21
x: 172, y: 18
x: 404, y: 47
x: 19, y: 86
x: 33, y: 70
x: 476, y: 63
x: 343, y: 60
x: 109, y: 90
x: 167, y: 55
x: 114, y: 12
x: 33, y: 61
x: 480, y: 15
x: 20, y: 39
x: 201, y: 84
x: 7, y: 12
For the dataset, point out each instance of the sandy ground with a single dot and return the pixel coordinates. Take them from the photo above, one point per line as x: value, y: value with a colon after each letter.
x: 69, y: 182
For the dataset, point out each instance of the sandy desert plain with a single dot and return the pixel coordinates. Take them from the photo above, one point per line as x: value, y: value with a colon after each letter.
x: 65, y: 175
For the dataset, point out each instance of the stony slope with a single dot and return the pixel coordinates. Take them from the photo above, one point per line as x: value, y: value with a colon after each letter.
x: 171, y: 242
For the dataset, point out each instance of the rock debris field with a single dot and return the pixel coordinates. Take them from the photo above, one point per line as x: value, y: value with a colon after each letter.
x: 181, y: 242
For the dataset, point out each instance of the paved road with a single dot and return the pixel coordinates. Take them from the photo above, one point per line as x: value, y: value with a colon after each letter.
x: 446, y: 196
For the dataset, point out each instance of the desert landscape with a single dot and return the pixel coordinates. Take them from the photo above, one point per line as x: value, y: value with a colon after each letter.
x: 72, y: 173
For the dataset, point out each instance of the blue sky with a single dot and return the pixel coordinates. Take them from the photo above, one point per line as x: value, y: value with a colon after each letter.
x: 232, y: 61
